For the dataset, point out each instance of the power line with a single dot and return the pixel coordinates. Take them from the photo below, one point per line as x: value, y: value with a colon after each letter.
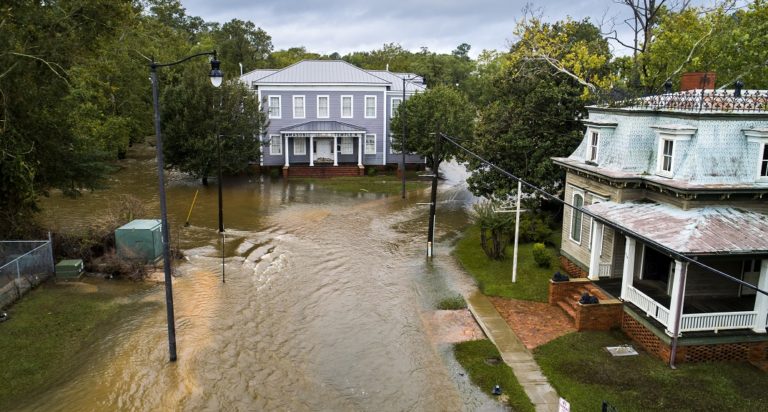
x: 623, y: 230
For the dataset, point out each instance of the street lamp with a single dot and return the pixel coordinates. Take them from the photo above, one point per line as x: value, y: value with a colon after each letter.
x: 216, y: 77
x: 405, y: 130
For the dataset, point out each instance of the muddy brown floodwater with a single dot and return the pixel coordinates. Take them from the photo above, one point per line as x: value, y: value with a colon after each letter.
x: 322, y: 308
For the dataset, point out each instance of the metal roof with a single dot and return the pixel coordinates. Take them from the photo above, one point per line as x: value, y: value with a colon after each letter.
x: 707, y: 230
x: 396, y: 79
x: 257, y: 74
x: 323, y: 126
x: 323, y: 71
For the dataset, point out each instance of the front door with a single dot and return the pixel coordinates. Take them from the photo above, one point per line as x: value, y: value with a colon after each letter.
x: 323, y: 151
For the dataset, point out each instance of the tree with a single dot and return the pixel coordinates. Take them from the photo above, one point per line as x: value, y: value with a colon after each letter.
x: 493, y: 226
x: 242, y: 42
x: 536, y: 105
x: 194, y: 113
x: 285, y: 58
x: 731, y: 44
x: 441, y: 109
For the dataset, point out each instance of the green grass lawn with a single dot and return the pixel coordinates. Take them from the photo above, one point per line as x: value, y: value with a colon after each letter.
x: 386, y: 184
x: 585, y: 374
x: 494, y: 277
x: 46, y: 329
x: 472, y: 356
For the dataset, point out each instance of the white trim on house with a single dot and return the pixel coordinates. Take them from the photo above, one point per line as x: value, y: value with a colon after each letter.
x: 365, y: 106
x: 384, y: 122
x: 392, y: 107
x: 351, y: 106
x: 278, y: 108
x: 299, y: 146
x: 576, y: 192
x: 320, y: 87
x: 671, y: 133
x: 346, y: 145
x: 593, y: 145
x: 327, y: 106
x: 372, y: 145
x: 303, y: 100
x: 662, y: 167
x: 762, y: 162
x: 275, y: 149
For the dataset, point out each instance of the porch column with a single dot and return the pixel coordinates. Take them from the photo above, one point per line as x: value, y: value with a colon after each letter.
x: 628, y: 274
x: 761, y: 301
x: 597, y: 246
x: 335, y: 150
x: 677, y: 299
x: 360, y: 151
x: 286, y: 151
x: 311, y: 150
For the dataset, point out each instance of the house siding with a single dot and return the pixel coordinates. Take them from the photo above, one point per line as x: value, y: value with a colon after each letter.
x: 373, y: 125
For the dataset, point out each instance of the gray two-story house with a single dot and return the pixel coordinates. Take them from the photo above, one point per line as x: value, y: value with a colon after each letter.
x: 684, y: 172
x: 329, y: 117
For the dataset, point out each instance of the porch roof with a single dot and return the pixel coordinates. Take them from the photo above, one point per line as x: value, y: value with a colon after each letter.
x: 322, y: 126
x: 704, y: 231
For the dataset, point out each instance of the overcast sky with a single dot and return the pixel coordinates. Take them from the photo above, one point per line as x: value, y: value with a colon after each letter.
x: 326, y: 26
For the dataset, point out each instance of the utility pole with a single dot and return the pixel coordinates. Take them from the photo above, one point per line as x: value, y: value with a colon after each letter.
x: 433, y: 197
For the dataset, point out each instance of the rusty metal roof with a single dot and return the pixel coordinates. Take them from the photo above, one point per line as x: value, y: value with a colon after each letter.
x: 707, y: 230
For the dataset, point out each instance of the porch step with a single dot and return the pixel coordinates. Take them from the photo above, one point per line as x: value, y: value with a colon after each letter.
x: 323, y: 171
x: 568, y: 308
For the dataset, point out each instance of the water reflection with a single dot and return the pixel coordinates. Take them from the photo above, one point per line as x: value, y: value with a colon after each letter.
x: 321, y: 309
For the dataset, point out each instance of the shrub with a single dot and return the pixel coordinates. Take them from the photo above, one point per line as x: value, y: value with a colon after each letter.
x: 493, y: 224
x: 533, y: 228
x: 371, y: 171
x: 542, y: 255
x: 452, y: 303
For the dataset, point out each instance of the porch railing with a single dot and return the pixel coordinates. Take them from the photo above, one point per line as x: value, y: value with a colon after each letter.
x: 718, y: 321
x: 648, y: 305
x: 604, y: 270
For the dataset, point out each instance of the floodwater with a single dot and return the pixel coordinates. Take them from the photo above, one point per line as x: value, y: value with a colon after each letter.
x: 321, y: 310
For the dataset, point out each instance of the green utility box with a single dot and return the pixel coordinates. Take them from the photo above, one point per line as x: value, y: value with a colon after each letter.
x: 70, y: 268
x: 140, y: 240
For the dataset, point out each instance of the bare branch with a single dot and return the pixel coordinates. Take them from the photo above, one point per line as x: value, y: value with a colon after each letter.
x: 9, y: 70
x: 693, y: 50
x: 47, y: 63
x: 559, y: 67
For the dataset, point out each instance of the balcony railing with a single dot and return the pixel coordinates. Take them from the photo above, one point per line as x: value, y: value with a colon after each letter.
x: 649, y: 306
x: 604, y: 270
x: 718, y: 321
x: 750, y: 101
x: 695, y: 322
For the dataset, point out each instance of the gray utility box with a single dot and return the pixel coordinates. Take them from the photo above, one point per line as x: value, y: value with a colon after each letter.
x: 140, y: 240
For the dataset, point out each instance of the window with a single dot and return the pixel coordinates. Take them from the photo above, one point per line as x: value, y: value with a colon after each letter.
x: 346, y: 107
x: 275, y: 145
x: 593, y: 143
x: 764, y: 162
x: 392, y: 148
x: 370, y: 107
x: 665, y: 156
x: 370, y: 144
x: 345, y: 145
x: 576, y: 217
x: 395, y: 104
x: 322, y: 107
x: 298, y: 107
x: 274, y: 107
x: 299, y: 146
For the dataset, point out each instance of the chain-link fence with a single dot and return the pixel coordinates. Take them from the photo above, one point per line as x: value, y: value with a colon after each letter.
x: 23, y: 265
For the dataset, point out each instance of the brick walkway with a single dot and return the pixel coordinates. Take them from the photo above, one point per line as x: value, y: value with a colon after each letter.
x: 535, y: 323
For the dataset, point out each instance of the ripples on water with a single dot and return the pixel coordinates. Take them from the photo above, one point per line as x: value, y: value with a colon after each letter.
x: 320, y: 309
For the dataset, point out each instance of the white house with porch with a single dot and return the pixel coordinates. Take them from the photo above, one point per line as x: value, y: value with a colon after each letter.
x: 685, y: 173
x: 330, y: 116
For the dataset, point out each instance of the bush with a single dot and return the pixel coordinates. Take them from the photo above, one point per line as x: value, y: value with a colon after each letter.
x: 533, y: 228
x: 452, y: 303
x: 371, y: 171
x: 542, y: 255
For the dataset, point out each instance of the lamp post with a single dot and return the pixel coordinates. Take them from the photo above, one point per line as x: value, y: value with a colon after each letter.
x: 405, y: 130
x: 216, y: 78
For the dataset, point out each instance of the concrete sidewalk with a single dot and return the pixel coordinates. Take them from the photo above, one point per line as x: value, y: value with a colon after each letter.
x: 514, y: 353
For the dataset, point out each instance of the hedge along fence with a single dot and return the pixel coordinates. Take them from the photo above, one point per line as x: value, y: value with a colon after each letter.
x: 25, y: 264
